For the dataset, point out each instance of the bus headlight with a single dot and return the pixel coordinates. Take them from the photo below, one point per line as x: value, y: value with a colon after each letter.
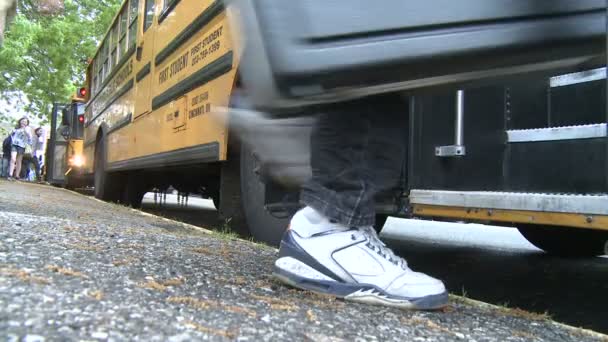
x: 77, y: 161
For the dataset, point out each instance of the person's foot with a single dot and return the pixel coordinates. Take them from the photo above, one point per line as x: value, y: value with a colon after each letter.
x: 10, y: 179
x: 351, y: 263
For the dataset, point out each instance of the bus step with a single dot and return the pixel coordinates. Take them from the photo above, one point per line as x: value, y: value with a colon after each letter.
x: 584, y: 76
x: 557, y: 133
x: 544, y: 202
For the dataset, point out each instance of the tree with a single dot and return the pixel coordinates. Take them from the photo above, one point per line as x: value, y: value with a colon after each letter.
x: 8, y: 8
x: 45, y: 57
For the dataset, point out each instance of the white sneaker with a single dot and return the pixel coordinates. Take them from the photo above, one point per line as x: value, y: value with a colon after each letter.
x: 351, y: 263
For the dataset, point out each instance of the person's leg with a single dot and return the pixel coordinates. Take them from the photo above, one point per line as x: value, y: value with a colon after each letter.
x: 4, y: 167
x: 338, y: 189
x: 331, y: 246
x: 18, y: 163
x: 6, y: 160
x: 37, y: 168
x: 13, y: 163
x: 386, y: 151
x: 25, y: 167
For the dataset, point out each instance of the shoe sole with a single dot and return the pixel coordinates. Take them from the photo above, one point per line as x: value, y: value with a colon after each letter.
x: 361, y: 293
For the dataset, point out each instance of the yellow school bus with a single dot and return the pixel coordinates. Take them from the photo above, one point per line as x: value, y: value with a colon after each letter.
x: 161, y: 68
x: 165, y: 66
x: 64, y: 155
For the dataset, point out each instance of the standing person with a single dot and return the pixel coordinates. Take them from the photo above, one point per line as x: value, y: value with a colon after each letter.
x: 331, y: 247
x: 39, y: 148
x: 21, y: 140
x: 6, y: 156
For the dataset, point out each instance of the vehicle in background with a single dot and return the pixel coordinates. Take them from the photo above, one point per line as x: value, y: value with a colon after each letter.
x: 64, y: 156
x: 161, y: 70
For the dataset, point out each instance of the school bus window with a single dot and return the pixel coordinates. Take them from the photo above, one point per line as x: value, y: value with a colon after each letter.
x: 114, y: 45
x: 100, y: 61
x: 92, y: 75
x: 133, y: 23
x: 133, y: 10
x: 149, y: 10
x: 122, y: 44
x: 106, y: 66
x: 97, y: 74
x: 99, y: 71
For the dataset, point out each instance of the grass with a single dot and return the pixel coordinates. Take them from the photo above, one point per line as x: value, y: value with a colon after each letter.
x: 223, y: 333
x: 318, y: 300
x: 97, y: 295
x: 423, y: 321
x: 206, y: 305
x: 153, y: 285
x: 526, y: 335
x: 502, y: 309
x: 24, y: 276
x: 126, y: 261
x: 311, y: 316
x: 66, y: 271
x: 225, y: 231
x: 161, y: 285
x: 464, y: 293
x: 517, y: 312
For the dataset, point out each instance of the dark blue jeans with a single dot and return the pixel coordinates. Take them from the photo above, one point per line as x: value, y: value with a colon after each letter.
x: 357, y: 150
x: 4, y: 162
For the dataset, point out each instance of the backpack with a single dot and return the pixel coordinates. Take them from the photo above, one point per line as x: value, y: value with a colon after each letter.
x: 6, y: 144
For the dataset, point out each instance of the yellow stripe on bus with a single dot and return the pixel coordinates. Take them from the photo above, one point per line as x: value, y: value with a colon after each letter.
x: 514, y: 216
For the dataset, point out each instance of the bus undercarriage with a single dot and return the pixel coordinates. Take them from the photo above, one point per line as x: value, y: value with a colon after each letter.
x: 531, y: 155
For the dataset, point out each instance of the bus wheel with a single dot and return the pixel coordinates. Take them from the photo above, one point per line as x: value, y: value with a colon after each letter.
x: 566, y: 241
x: 107, y: 185
x: 216, y: 201
x: 262, y: 226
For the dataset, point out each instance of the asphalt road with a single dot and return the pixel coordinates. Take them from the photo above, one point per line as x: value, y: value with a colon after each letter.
x: 497, y: 265
x: 76, y: 269
x: 492, y: 264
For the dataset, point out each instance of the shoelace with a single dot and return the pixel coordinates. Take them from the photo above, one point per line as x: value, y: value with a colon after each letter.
x: 374, y: 243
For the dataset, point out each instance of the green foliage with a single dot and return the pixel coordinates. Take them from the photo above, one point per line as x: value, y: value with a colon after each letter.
x: 44, y: 57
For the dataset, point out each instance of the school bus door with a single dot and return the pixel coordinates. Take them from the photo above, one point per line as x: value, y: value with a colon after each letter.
x: 57, y: 147
x: 144, y: 56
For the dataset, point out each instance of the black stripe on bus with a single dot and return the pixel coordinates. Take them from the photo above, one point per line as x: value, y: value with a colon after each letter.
x: 208, y: 73
x: 120, y: 124
x: 143, y: 72
x: 117, y: 68
x: 120, y: 93
x: 184, y: 156
x: 170, y: 6
x: 205, y: 18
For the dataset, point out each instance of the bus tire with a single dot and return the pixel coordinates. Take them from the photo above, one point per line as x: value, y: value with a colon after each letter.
x: 262, y: 226
x: 216, y: 201
x: 566, y: 241
x: 107, y: 185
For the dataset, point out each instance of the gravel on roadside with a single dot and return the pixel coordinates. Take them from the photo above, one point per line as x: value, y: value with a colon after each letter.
x: 74, y: 268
